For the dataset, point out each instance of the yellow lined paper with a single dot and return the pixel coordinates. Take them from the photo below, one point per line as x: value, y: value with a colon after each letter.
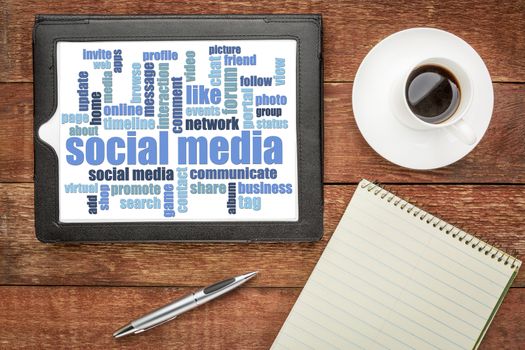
x: 392, y: 277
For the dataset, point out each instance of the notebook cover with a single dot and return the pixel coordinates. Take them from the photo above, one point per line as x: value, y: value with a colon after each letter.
x: 178, y: 128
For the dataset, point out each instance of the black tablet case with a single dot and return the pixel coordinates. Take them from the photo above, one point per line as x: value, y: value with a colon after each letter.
x: 305, y: 29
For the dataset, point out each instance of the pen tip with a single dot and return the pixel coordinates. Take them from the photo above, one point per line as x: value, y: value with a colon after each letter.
x: 250, y: 274
x: 129, y: 329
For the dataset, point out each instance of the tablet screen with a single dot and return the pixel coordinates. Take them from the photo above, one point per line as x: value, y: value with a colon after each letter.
x: 176, y: 131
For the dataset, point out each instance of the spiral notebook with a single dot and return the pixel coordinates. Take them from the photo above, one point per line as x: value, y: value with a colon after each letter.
x: 394, y: 276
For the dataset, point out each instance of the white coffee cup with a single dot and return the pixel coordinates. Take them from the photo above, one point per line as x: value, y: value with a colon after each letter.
x: 455, y: 124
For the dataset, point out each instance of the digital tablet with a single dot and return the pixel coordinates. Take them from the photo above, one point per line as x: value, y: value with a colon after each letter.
x: 178, y: 128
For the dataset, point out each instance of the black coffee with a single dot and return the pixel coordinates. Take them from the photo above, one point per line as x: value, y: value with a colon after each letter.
x: 432, y: 93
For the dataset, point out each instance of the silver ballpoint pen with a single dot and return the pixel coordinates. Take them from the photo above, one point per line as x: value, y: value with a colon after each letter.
x: 179, y: 306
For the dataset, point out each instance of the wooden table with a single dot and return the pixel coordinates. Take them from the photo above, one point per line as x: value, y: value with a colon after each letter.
x: 58, y: 296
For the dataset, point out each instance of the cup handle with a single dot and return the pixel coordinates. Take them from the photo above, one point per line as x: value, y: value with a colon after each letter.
x: 463, y: 132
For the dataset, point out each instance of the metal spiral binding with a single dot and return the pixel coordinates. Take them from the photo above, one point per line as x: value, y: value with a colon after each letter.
x: 481, y: 244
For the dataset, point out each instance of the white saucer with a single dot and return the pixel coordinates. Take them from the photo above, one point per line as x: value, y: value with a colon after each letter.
x: 416, y: 149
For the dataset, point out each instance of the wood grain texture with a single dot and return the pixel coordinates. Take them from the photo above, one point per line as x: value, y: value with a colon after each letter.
x: 493, y: 212
x: 249, y: 318
x: 16, y: 133
x: 53, y: 296
x: 499, y: 158
x: 351, y: 28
